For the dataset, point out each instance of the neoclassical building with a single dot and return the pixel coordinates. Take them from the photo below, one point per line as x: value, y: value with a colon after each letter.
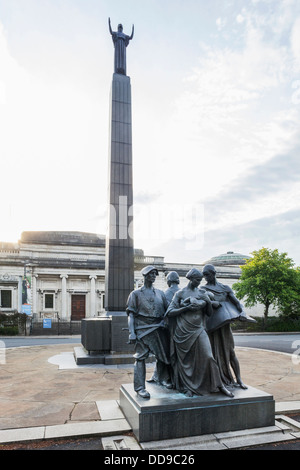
x: 61, y: 275
x: 50, y: 274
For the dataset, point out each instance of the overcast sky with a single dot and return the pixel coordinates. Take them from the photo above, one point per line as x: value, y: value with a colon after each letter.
x: 216, y: 114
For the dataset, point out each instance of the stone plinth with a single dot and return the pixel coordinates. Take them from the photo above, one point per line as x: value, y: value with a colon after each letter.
x: 96, y: 334
x: 82, y: 357
x: 104, y: 341
x: 106, y: 334
x: 169, y: 414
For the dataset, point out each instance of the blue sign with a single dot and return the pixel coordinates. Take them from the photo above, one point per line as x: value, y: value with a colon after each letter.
x: 47, y: 323
x: 26, y: 308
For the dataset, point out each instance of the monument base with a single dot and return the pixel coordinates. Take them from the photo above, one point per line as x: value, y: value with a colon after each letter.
x: 105, y: 340
x: 169, y: 414
x: 83, y: 357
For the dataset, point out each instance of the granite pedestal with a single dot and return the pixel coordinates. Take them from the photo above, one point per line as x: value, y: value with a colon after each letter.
x: 169, y: 414
x: 104, y: 341
x: 96, y: 334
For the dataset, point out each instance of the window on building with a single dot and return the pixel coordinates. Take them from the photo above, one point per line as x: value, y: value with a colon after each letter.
x: 49, y: 301
x: 5, y: 299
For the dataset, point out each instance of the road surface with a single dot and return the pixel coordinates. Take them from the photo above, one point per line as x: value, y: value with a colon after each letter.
x: 287, y: 343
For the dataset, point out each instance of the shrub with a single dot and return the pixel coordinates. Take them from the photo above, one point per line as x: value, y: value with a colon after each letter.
x: 273, y: 324
x: 11, y: 324
x: 9, y: 330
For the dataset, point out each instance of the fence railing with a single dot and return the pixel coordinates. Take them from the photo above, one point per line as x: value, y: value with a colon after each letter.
x: 54, y: 326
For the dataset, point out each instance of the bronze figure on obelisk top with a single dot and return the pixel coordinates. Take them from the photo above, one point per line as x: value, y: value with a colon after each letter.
x: 121, y: 41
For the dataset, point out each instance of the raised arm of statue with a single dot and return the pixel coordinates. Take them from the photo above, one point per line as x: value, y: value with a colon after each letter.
x: 132, y: 34
x: 109, y: 25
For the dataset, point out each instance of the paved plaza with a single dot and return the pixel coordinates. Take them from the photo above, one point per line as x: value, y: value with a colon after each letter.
x: 44, y: 394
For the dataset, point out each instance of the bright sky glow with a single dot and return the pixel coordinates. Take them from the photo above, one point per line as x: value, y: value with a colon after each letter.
x: 216, y: 121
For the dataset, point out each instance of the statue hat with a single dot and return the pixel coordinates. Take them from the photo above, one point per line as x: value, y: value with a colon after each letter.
x: 148, y: 269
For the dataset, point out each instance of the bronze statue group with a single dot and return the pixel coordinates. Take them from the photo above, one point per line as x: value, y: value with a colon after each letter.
x: 188, y: 331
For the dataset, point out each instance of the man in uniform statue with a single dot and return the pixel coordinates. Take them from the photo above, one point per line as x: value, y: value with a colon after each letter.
x: 146, y: 309
x: 218, y: 328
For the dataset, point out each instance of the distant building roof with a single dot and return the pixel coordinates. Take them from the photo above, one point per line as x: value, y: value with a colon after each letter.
x: 228, y: 259
x: 63, y: 238
x: 66, y: 238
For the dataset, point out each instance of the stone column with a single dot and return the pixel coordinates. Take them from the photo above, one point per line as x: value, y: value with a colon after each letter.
x: 93, y: 296
x: 64, y: 278
x: 34, y: 293
x: 119, y: 273
x: 20, y: 286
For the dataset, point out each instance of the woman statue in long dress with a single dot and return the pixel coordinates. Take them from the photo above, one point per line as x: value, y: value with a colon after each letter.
x: 227, y: 308
x: 120, y: 41
x: 195, y: 370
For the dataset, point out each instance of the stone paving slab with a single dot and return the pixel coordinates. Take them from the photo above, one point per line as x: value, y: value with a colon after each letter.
x: 101, y: 428
x: 88, y: 428
x: 288, y: 406
x: 109, y: 409
x: 25, y: 434
x: 250, y: 441
x: 288, y: 423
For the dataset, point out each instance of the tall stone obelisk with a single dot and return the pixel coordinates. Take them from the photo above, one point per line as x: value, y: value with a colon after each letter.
x: 105, y: 337
x: 119, y: 270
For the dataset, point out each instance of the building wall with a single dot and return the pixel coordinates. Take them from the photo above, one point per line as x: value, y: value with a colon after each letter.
x: 53, y: 272
x: 12, y: 284
x: 62, y: 286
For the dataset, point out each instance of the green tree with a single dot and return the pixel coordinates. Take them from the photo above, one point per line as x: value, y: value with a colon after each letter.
x: 290, y: 307
x: 268, y: 278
